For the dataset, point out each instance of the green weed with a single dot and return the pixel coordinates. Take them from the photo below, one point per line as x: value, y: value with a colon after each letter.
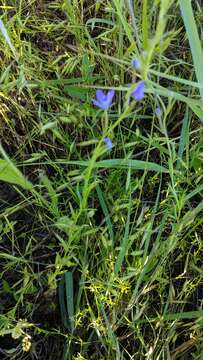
x: 101, y: 249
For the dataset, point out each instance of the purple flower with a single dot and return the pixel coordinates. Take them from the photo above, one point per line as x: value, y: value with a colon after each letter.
x: 108, y: 143
x: 138, y: 93
x: 136, y: 64
x: 158, y: 111
x: 103, y: 100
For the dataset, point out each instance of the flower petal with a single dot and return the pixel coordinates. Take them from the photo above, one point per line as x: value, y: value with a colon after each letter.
x: 104, y: 106
x: 110, y: 96
x: 136, y: 64
x: 158, y: 111
x: 100, y: 104
x: 100, y: 95
x: 103, y: 100
x: 138, y: 93
x: 108, y: 143
x: 95, y: 102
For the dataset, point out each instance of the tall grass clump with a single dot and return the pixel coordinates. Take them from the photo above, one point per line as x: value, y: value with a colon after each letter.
x: 101, y: 205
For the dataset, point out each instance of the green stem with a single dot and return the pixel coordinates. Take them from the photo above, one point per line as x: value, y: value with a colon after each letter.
x: 96, y: 154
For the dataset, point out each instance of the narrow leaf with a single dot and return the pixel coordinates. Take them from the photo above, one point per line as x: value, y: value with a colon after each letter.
x: 7, y: 38
x: 106, y: 212
x: 69, y: 297
x: 124, y: 243
x: 195, y: 44
x: 183, y: 137
x: 118, y: 163
x: 61, y: 293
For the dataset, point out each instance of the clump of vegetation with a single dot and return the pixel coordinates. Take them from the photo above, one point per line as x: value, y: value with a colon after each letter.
x: 101, y: 180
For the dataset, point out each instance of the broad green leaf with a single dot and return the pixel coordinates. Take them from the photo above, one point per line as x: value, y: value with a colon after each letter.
x: 9, y: 173
x: 77, y: 92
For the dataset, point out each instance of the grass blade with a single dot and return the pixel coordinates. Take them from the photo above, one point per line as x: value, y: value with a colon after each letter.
x: 148, y: 232
x: 197, y: 190
x: 61, y: 294
x: 119, y: 9
x: 175, y: 316
x: 119, y: 163
x: 7, y: 39
x: 195, y: 45
x: 145, y: 24
x: 59, y: 82
x: 134, y: 24
x: 9, y: 172
x: 106, y: 212
x: 124, y: 243
x: 183, y: 137
x: 69, y: 297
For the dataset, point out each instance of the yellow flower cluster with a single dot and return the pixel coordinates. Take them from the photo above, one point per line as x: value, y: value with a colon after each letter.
x: 26, y: 343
